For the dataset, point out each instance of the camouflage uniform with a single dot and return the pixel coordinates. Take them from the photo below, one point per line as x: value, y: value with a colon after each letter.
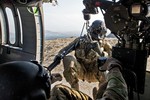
x: 84, y: 64
x: 62, y: 92
x: 114, y: 88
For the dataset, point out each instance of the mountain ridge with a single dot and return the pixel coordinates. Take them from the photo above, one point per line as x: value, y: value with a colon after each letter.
x: 51, y: 35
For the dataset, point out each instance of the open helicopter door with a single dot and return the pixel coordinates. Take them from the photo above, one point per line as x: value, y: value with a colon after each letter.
x: 21, y: 33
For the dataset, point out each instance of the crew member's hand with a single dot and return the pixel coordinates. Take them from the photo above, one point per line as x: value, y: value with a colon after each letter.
x: 110, y: 64
x: 55, y: 77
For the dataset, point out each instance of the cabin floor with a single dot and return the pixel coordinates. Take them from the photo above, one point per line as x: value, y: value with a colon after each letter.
x: 146, y: 95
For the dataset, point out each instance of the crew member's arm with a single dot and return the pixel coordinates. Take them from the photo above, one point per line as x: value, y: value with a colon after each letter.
x: 107, y: 48
x: 116, y: 88
x: 98, y: 49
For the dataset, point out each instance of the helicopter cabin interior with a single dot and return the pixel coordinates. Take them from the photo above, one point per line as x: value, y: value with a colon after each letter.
x: 22, y: 37
x: 21, y: 33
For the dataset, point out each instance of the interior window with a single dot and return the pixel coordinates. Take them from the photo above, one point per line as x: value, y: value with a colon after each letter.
x: 11, y: 24
x: 3, y: 28
x: 20, y: 24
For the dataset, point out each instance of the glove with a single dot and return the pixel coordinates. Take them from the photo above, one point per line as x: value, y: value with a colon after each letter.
x: 110, y: 64
x: 55, y: 77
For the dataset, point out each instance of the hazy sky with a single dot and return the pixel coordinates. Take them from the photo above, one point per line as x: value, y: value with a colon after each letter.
x: 66, y: 16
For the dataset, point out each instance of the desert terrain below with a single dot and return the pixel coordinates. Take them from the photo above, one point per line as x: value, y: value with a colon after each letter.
x: 52, y: 47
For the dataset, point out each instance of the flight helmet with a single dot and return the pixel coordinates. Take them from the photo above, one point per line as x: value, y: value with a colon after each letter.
x: 98, y: 30
x: 22, y: 80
